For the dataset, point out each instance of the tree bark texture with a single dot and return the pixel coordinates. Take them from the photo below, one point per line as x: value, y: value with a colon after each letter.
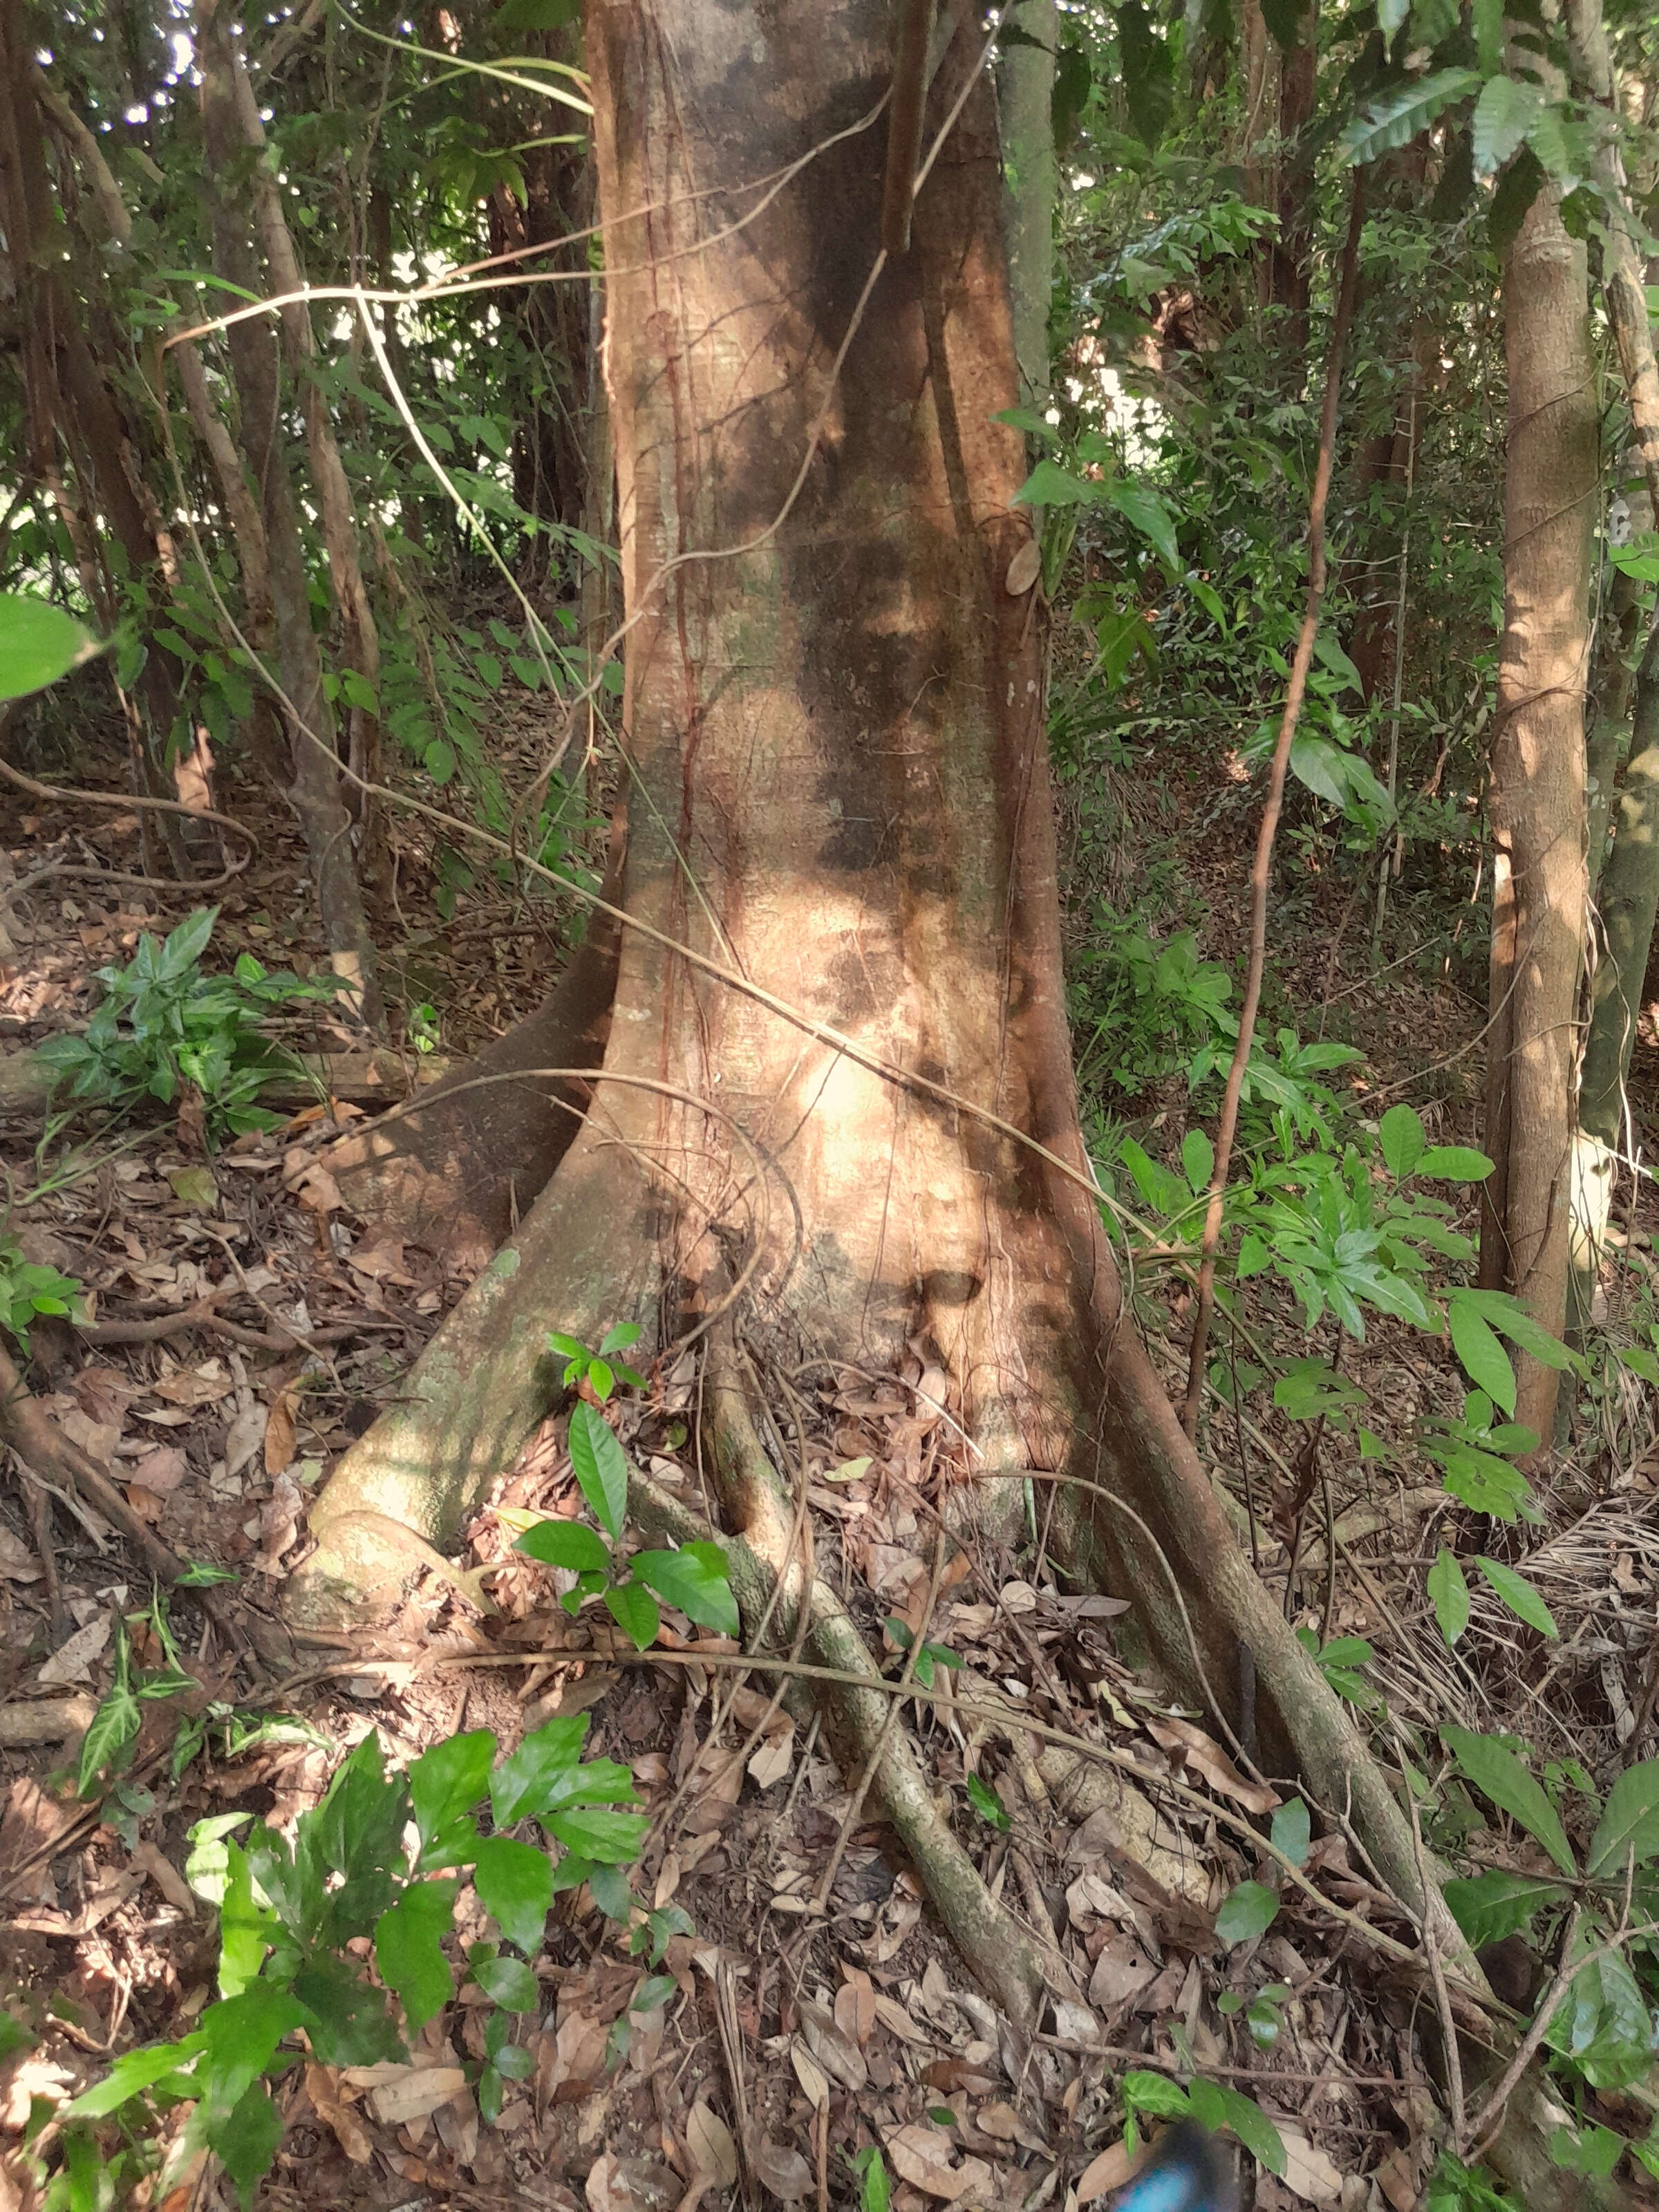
x: 839, y: 796
x: 1537, y: 807
x: 1027, y: 85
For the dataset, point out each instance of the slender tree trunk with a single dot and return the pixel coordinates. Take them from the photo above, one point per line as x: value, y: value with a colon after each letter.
x: 360, y: 645
x: 1027, y: 139
x: 315, y: 790
x: 1629, y: 887
x: 1537, y: 793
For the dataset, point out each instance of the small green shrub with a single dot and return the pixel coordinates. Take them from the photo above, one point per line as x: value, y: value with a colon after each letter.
x: 162, y: 1023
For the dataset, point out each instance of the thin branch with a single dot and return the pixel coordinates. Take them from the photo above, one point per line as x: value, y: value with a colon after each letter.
x: 1261, y: 874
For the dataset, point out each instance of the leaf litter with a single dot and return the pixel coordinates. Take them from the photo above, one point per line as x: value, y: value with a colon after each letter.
x: 795, y: 2036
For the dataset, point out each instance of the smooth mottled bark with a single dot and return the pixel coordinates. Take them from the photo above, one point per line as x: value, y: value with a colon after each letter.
x: 1537, y: 806
x: 839, y: 792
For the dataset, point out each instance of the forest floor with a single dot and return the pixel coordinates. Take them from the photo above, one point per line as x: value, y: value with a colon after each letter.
x: 799, y: 2027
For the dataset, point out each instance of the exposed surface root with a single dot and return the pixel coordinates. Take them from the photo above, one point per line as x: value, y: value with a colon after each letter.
x: 999, y: 1952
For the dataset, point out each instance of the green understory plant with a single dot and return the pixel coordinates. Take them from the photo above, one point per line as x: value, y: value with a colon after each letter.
x: 339, y: 1937
x: 28, y: 1289
x: 161, y: 1024
x: 695, y: 1578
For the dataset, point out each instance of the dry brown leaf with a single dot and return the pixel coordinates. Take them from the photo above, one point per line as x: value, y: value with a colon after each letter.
x: 402, y: 2094
x: 1023, y: 570
x: 17, y: 1563
x: 810, y: 2076
x: 1113, y: 2167
x: 317, y: 1190
x: 710, y: 2142
x: 73, y: 1663
x: 921, y: 2156
x: 1202, y: 1751
x: 1121, y: 1971
x: 192, y: 1386
x: 166, y: 1877
x: 161, y: 1471
x: 779, y: 2169
x: 279, y: 1434
x: 1397, y: 2178
x: 774, y: 1759
x: 332, y: 2110
x: 855, y: 2006
x: 145, y: 1504
x: 839, y: 2056
x: 892, y: 2015
x: 1308, y: 2172
x: 98, y: 1439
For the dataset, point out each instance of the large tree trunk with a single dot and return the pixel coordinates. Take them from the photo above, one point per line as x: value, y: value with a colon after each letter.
x: 1537, y: 798
x: 836, y: 1114
x: 835, y: 718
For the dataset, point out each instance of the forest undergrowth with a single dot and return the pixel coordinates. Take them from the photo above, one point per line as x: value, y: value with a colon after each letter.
x: 208, y: 1323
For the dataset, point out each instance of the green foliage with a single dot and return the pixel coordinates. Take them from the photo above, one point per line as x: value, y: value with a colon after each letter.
x: 298, y: 1923
x: 27, y: 1288
x: 39, y: 643
x: 162, y: 1023
x: 1155, y: 2096
x: 695, y: 1577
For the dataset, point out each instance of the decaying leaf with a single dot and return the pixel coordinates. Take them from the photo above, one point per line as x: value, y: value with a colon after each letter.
x: 921, y: 2156
x: 710, y: 2142
x: 1203, y: 1754
x: 779, y: 2169
x: 74, y: 1661
x: 349, y: 2132
x: 1110, y: 2170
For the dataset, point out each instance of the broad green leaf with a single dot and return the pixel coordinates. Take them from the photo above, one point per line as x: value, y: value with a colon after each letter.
x: 1518, y: 1593
x: 1510, y: 1318
x: 1143, y: 2091
x: 1197, y: 1160
x: 1390, y: 15
x: 1629, y: 1824
x: 39, y: 643
x: 1497, y: 1904
x: 1503, y: 114
x: 1049, y: 485
x: 1148, y: 68
x: 1249, y: 1909
x: 600, y: 1466
x: 696, y: 1579
x: 634, y: 1609
x: 242, y: 2033
x: 246, y: 2139
x: 1142, y: 508
x: 1399, y: 117
x: 1454, y: 1164
x: 610, y: 1838
x: 537, y: 1774
x: 353, y: 2024
x: 1488, y: 16
x: 1401, y: 1135
x: 986, y: 1802
x: 509, y: 1982
x: 409, y: 1953
x: 1292, y: 1830
x: 1495, y: 1771
x: 449, y: 1780
x: 1215, y: 2106
x: 1485, y: 1360
x: 572, y: 1544
x: 133, y: 2071
x: 515, y: 1883
x: 1450, y: 1595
